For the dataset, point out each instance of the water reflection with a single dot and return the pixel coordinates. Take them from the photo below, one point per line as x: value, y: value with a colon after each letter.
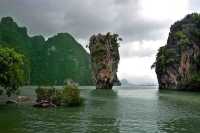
x: 104, y: 93
x: 187, y: 125
x: 101, y: 111
x: 9, y: 123
x: 126, y: 110
x: 179, y: 112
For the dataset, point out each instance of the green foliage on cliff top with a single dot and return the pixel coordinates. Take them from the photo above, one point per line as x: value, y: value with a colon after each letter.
x: 102, y: 46
x: 11, y: 71
x: 48, y: 62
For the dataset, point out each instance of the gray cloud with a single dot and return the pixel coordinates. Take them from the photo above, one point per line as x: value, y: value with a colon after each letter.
x: 142, y: 52
x: 82, y: 18
x: 90, y: 17
x: 39, y: 16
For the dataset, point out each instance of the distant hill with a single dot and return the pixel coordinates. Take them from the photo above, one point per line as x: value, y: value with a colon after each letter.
x: 124, y: 82
x: 53, y: 61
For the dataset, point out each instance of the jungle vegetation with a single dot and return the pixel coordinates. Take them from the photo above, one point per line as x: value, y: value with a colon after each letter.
x: 49, y: 61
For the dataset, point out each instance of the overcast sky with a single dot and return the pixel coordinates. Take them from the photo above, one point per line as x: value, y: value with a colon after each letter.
x: 143, y: 25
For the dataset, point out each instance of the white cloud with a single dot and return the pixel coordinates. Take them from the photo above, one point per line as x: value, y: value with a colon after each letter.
x: 136, y: 60
x: 137, y: 70
x: 164, y: 10
x: 140, y: 48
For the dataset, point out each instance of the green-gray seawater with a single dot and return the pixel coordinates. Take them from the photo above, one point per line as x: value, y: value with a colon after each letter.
x: 137, y: 109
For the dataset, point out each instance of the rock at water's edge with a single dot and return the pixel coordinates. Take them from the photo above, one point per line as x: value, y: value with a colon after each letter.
x: 105, y: 58
x: 44, y: 104
x: 178, y: 63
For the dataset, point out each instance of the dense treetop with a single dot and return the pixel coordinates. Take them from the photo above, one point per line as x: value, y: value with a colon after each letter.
x: 11, y: 71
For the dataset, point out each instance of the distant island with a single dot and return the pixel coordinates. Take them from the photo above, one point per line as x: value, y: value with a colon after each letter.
x: 178, y: 63
x: 125, y: 82
x: 51, y: 61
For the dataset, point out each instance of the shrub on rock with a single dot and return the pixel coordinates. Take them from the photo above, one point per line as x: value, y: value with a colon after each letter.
x: 48, y: 97
x: 71, y: 95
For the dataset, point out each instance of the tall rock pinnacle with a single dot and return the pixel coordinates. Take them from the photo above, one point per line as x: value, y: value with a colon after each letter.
x: 105, y: 58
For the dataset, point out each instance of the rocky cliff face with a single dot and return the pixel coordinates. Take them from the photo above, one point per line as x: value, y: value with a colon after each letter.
x: 105, y: 58
x: 178, y: 63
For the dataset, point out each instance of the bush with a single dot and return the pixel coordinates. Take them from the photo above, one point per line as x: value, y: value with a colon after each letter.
x: 11, y: 71
x: 57, y: 97
x: 44, y: 93
x: 69, y: 96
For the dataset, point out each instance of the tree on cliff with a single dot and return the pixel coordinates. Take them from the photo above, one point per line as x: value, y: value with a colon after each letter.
x: 164, y: 58
x: 11, y: 71
x: 177, y: 63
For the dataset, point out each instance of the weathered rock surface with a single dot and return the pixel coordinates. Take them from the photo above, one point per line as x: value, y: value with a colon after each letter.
x: 44, y: 104
x: 178, y: 63
x: 23, y: 99
x: 105, y: 58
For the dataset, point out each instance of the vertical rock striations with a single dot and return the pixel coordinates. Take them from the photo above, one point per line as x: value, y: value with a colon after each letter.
x: 105, y: 58
x: 178, y: 63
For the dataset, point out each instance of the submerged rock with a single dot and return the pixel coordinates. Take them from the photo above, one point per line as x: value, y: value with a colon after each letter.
x: 44, y: 104
x: 11, y: 102
x: 105, y: 58
x: 178, y: 63
x: 23, y: 98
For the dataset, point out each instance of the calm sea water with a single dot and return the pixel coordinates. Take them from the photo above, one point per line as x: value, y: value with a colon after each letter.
x: 137, y: 109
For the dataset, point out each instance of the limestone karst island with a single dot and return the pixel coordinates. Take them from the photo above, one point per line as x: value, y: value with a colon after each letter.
x: 105, y: 59
x: 104, y: 66
x: 178, y: 63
